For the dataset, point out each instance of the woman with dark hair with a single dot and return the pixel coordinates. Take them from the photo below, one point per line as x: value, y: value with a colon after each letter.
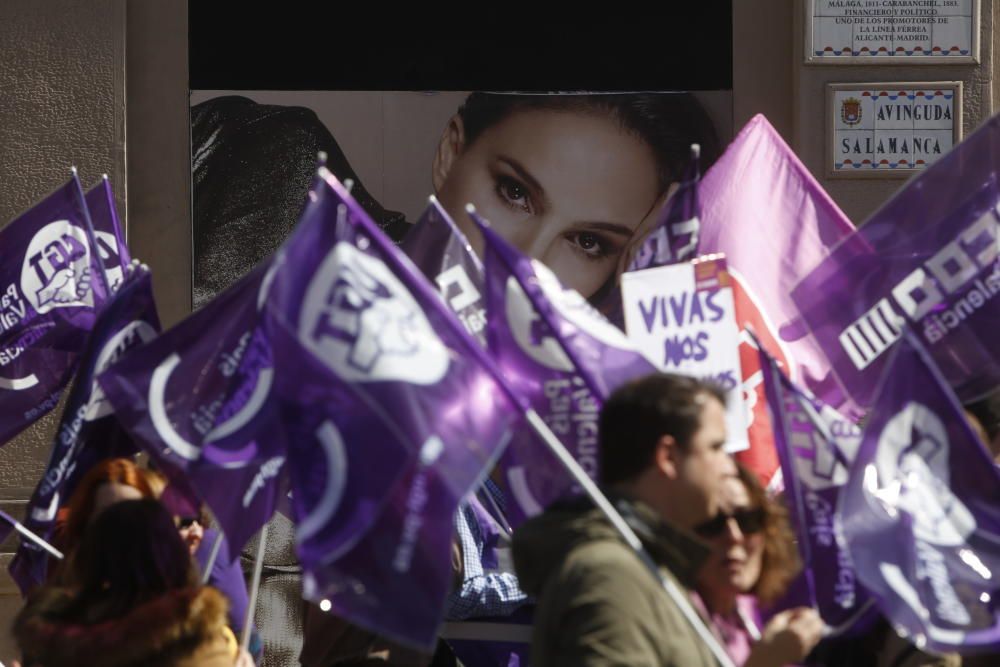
x: 753, y: 561
x: 107, y: 483
x: 136, y: 601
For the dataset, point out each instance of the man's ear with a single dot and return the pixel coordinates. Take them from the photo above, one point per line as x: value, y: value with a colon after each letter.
x: 449, y: 148
x: 666, y: 456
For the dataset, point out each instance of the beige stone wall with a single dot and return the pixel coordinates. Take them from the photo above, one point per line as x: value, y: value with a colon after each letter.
x: 860, y: 197
x: 62, y: 104
x: 770, y: 77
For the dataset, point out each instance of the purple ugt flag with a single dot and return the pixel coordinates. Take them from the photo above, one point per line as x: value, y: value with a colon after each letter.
x: 395, y: 413
x: 110, y: 236
x: 439, y: 249
x: 815, y: 446
x: 49, y: 296
x: 920, y: 511
x: 675, y: 237
x: 926, y: 260
x: 563, y: 357
x: 198, y: 400
x: 88, y: 433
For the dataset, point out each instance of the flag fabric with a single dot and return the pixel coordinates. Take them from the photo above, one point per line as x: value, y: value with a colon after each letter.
x: 927, y: 260
x: 675, y: 236
x: 395, y: 414
x: 441, y: 251
x: 762, y: 208
x: 563, y: 357
x: 816, y: 446
x: 88, y: 432
x: 49, y: 298
x: 920, y: 511
x: 198, y: 400
x: 114, y: 253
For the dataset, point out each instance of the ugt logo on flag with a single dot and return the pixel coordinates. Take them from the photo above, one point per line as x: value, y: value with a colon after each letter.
x: 359, y: 319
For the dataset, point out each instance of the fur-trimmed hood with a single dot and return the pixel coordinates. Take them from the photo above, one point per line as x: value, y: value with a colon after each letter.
x: 182, y: 627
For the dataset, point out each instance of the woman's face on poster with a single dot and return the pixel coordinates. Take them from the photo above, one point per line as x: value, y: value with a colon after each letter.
x: 565, y: 187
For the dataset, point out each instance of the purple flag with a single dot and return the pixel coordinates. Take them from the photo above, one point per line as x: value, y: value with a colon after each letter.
x: 927, y: 260
x: 441, y: 251
x: 88, y: 433
x: 765, y: 211
x: 197, y: 400
x: 49, y: 297
x: 816, y: 446
x: 562, y: 356
x: 395, y: 412
x: 921, y: 511
x: 675, y: 236
x: 114, y: 254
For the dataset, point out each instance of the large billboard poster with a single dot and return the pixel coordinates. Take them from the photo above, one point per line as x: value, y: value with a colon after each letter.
x: 569, y: 178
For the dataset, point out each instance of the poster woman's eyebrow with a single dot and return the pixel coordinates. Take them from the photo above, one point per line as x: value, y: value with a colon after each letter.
x: 525, y: 176
x: 609, y: 227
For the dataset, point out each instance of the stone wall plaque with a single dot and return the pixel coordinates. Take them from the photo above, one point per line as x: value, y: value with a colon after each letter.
x: 890, y: 130
x: 892, y: 31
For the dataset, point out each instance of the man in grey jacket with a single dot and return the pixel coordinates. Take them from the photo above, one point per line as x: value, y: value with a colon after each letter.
x: 664, y: 466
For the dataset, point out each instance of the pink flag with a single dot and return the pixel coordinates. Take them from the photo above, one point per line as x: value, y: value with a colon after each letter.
x: 766, y: 212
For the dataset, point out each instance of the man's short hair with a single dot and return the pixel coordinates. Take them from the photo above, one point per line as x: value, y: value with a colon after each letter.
x: 639, y: 413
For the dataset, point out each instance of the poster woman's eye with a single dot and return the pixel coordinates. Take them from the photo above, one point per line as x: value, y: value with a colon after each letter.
x: 513, y: 193
x: 592, y: 245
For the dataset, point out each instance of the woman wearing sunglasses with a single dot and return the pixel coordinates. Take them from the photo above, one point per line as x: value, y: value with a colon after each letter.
x: 753, y: 561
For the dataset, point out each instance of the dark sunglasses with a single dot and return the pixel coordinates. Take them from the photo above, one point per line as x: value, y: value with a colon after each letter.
x: 187, y: 521
x: 750, y: 521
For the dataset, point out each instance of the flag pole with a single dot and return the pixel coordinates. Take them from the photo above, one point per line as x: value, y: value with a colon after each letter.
x: 258, y: 568
x: 21, y: 528
x: 212, y: 557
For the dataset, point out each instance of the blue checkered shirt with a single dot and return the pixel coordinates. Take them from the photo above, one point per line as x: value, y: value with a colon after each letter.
x: 483, y: 592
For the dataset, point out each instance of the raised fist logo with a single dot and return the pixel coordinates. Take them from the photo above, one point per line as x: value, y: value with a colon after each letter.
x: 363, y: 313
x: 56, y: 269
x: 913, y: 477
x: 64, y: 288
x: 359, y: 319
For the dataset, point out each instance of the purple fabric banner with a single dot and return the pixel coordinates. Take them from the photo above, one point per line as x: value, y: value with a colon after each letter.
x: 197, y: 400
x: 816, y: 446
x: 88, y: 433
x: 675, y: 236
x: 48, y: 302
x: 441, y: 251
x: 396, y: 414
x: 926, y: 260
x: 563, y: 357
x: 920, y: 511
x: 598, y: 349
x: 764, y: 210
